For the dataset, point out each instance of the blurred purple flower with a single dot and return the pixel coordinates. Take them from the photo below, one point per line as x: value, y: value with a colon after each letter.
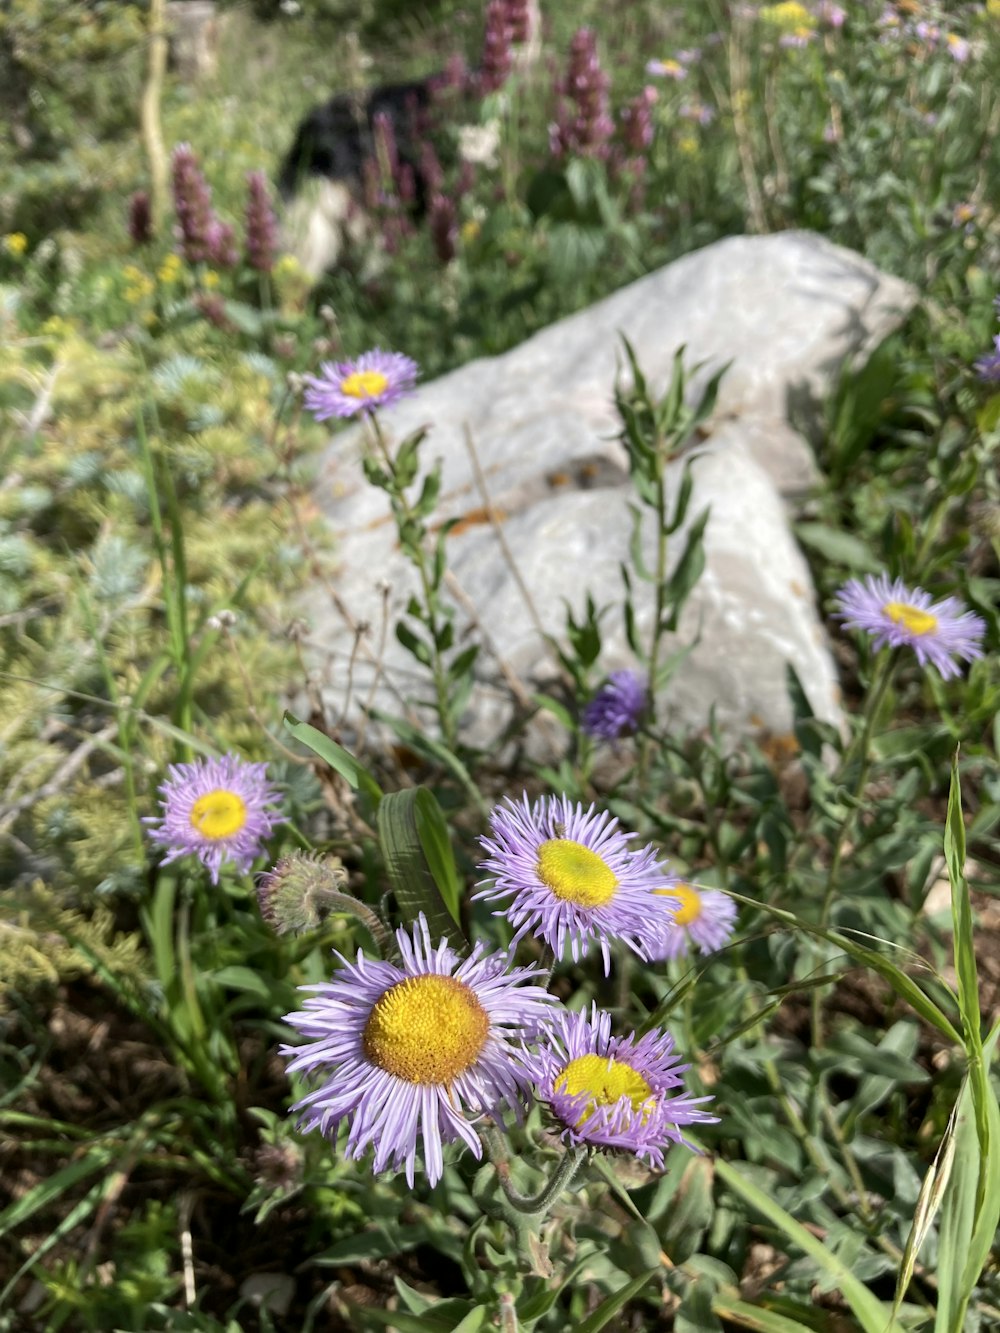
x: 261, y: 224
x: 140, y: 218
x: 988, y: 367
x: 497, y: 58
x: 583, y: 126
x: 617, y: 708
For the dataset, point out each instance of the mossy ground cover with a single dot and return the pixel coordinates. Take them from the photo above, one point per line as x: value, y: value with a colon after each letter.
x: 155, y: 524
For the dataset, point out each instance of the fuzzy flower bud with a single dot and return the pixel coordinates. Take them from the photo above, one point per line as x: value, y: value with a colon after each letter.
x: 298, y: 892
x: 261, y: 224
x: 584, y: 125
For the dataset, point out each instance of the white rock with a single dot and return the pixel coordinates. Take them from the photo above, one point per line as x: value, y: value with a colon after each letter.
x: 786, y: 311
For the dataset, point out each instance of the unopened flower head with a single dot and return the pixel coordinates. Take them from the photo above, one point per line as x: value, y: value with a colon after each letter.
x: 296, y: 893
x: 218, y: 810
x: 893, y: 614
x: 407, y: 1052
x: 613, y: 1092
x: 618, y: 706
x: 373, y: 380
x: 705, y: 919
x: 569, y: 876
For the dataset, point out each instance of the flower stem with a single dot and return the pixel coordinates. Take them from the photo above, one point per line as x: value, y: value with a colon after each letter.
x: 885, y: 670
x: 407, y: 517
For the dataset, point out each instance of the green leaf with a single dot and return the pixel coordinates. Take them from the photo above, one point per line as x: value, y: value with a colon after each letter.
x: 965, y: 1236
x: 404, y: 822
x: 355, y: 774
x: 961, y: 913
x: 245, y: 979
x: 48, y: 1190
x: 610, y: 1306
x: 837, y: 546
x: 755, y: 1317
x: 871, y: 1313
x: 903, y: 985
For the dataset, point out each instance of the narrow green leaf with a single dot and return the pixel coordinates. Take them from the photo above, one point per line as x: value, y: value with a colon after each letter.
x: 965, y: 1238
x: 401, y: 817
x: 904, y: 986
x: 610, y: 1306
x: 755, y: 1317
x: 961, y: 912
x: 871, y: 1313
x: 435, y: 842
x: 355, y: 774
x: 46, y: 1191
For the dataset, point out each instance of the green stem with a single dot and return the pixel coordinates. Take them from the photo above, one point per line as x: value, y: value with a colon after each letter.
x: 405, y: 511
x: 862, y: 751
x: 659, y: 604
x: 538, y: 1205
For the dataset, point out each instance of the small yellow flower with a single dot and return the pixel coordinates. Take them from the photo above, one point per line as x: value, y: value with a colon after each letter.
x: 288, y: 267
x: 170, y: 270
x: 15, y: 243
x: 789, y: 16
x: 470, y: 230
x: 57, y: 327
x: 993, y: 8
x: 688, y: 145
x: 210, y: 278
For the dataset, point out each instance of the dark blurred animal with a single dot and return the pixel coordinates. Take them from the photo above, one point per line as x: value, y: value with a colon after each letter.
x: 341, y: 150
x: 335, y: 140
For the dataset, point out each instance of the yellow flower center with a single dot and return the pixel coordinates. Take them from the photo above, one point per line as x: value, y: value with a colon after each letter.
x: 218, y: 814
x: 426, y: 1029
x: 604, y: 1082
x: 364, y: 384
x: 575, y: 874
x: 690, y: 903
x: 911, y: 617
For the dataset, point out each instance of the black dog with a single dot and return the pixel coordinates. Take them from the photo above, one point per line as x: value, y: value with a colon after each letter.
x: 337, y: 139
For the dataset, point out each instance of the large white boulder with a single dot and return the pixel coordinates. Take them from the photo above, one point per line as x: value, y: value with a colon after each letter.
x: 529, y: 454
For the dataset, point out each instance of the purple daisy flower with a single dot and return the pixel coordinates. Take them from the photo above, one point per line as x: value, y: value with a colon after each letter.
x: 374, y: 379
x: 705, y: 917
x: 988, y: 367
x: 408, y: 1050
x: 667, y: 69
x: 216, y: 809
x: 617, y: 707
x: 613, y: 1092
x: 896, y: 615
x: 571, y: 877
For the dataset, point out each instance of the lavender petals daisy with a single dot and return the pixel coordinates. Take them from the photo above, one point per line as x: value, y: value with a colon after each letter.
x: 346, y: 388
x: 613, y: 1092
x: 617, y: 708
x: 896, y: 615
x: 217, y: 810
x: 407, y: 1051
x: 571, y: 878
x: 705, y: 918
